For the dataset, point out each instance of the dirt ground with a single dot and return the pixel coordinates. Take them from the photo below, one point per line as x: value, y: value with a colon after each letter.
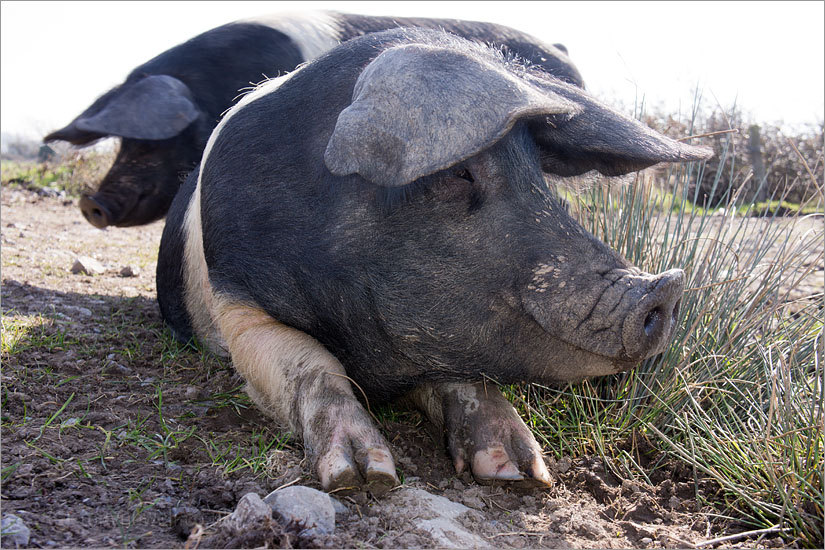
x: 113, y: 435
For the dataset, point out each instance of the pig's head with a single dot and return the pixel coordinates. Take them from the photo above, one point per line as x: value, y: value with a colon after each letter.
x: 473, y: 245
x: 160, y: 127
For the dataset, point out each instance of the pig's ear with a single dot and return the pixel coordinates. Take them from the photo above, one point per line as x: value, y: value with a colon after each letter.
x: 73, y: 135
x: 420, y: 109
x: 599, y: 138
x: 155, y: 107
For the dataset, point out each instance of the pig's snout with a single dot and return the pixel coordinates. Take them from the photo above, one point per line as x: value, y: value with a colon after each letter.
x: 95, y: 212
x: 647, y: 329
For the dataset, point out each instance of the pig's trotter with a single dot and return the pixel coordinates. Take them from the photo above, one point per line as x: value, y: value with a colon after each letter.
x: 296, y: 380
x: 484, y: 432
x: 351, y: 453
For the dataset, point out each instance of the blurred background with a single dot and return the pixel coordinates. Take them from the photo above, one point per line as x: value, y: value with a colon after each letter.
x: 754, y: 64
x: 767, y: 57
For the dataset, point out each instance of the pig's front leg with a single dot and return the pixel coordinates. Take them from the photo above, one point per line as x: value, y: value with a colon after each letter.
x: 295, y: 379
x: 483, y: 431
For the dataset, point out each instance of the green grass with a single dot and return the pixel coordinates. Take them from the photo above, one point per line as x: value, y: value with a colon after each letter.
x: 22, y: 333
x: 679, y: 203
x: 231, y: 456
x: 739, y: 394
x: 72, y: 175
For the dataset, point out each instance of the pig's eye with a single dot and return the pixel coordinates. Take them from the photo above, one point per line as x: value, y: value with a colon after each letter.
x: 465, y: 174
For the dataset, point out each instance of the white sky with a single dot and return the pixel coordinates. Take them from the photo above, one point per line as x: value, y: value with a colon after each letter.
x: 768, y: 57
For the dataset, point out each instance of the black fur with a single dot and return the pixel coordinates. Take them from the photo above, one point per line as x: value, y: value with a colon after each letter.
x: 170, y: 266
x: 475, y: 270
x: 552, y: 59
x: 307, y: 251
x: 216, y: 66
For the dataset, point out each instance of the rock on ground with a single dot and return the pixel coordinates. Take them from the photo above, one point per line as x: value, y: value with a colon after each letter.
x: 15, y: 534
x: 308, y: 508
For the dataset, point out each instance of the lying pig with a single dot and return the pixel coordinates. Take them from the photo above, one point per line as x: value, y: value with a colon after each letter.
x: 384, y: 218
x: 167, y: 107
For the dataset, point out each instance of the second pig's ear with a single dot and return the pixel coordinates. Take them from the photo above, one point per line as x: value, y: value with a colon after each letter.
x: 155, y: 107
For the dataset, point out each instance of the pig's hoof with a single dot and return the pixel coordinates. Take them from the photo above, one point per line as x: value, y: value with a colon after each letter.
x: 486, y: 433
x: 495, y: 463
x: 352, y: 464
x: 380, y: 472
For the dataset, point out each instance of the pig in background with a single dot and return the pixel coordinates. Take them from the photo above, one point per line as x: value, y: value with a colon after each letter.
x: 386, y: 215
x: 167, y: 107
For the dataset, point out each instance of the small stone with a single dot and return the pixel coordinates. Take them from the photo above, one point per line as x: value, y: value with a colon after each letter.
x: 15, y: 532
x: 304, y: 506
x: 674, y: 502
x: 646, y: 540
x: 629, y: 486
x: 192, y: 392
x: 249, y: 510
x: 438, y: 516
x: 564, y: 464
x: 129, y: 271
x: 339, y: 507
x: 85, y: 312
x: 87, y: 266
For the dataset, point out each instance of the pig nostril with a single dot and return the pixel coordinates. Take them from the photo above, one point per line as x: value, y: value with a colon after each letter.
x: 94, y: 211
x: 652, y: 321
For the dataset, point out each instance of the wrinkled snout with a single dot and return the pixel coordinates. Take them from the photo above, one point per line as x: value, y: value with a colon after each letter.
x: 95, y: 211
x: 649, y: 325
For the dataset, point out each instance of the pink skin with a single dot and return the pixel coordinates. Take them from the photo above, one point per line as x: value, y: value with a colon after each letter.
x: 484, y: 432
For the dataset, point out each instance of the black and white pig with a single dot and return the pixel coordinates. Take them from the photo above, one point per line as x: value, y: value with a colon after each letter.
x: 385, y: 216
x: 167, y: 107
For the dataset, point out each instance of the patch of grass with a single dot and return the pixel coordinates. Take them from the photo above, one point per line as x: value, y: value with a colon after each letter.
x: 252, y: 454
x: 236, y: 399
x: 739, y: 394
x: 32, y: 175
x: 22, y: 333
x: 763, y: 208
x: 8, y: 471
x: 72, y: 176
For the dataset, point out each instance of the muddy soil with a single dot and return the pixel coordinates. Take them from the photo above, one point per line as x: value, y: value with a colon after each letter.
x: 113, y: 435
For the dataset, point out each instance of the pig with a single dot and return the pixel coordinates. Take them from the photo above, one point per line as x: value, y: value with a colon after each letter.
x: 383, y: 223
x: 167, y: 107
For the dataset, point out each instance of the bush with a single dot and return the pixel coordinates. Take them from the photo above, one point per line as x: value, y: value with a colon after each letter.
x: 759, y: 162
x: 739, y: 395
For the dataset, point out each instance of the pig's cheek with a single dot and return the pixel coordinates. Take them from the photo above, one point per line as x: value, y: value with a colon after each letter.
x: 485, y: 431
x: 352, y: 454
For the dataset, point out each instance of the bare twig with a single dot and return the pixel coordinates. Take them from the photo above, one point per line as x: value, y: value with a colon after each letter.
x: 746, y: 534
x: 515, y: 533
x: 285, y: 485
x: 709, y: 134
x: 195, y: 536
x: 717, y: 284
x: 354, y: 383
x: 807, y: 168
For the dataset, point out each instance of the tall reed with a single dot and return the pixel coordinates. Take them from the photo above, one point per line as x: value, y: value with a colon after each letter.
x: 739, y: 394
